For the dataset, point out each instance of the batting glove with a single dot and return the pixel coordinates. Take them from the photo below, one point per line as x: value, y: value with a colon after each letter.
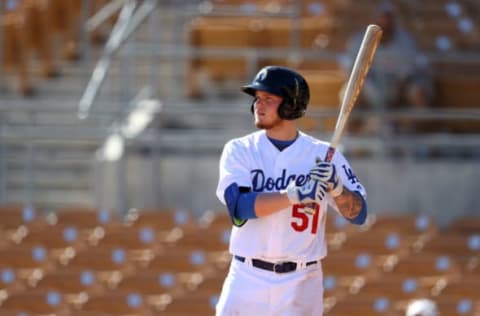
x: 311, y: 192
x: 326, y: 172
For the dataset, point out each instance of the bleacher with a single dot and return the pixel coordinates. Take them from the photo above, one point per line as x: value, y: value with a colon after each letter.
x: 38, y: 37
x: 247, y: 33
x: 230, y: 40
x: 79, y: 262
x: 70, y: 259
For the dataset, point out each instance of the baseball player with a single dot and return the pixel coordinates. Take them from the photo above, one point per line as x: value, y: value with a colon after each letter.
x: 277, y: 197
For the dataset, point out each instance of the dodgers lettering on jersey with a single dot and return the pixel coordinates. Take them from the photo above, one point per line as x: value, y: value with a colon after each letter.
x: 261, y: 183
x: 290, y: 234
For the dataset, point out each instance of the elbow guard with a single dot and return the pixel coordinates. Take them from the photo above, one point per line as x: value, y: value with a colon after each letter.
x: 231, y: 195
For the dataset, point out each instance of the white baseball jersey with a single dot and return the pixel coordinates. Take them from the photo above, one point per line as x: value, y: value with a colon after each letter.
x: 290, y: 234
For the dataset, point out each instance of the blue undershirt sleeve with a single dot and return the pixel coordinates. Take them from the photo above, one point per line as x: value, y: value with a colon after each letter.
x: 246, y: 205
x: 240, y: 205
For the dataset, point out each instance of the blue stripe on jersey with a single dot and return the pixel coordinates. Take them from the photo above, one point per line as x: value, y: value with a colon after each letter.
x: 362, y: 216
x: 231, y: 197
x: 238, y: 204
x: 246, y: 205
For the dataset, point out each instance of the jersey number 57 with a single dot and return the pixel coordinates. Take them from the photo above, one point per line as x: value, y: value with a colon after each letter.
x: 302, y: 221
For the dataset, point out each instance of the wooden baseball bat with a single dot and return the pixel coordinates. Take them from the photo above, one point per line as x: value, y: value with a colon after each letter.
x: 362, y: 64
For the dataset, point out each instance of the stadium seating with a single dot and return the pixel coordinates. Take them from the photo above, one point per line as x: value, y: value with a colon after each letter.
x: 73, y: 283
x: 160, y: 219
x: 362, y: 305
x: 155, y: 286
x: 37, y: 302
x: 438, y: 28
x: 204, y: 239
x: 28, y: 262
x: 9, y: 280
x: 394, y: 287
x: 37, y: 34
x: 212, y: 284
x: 117, y: 302
x: 141, y: 243
x: 33, y: 31
x: 472, y: 267
x: 460, y: 91
x: 450, y: 86
x: 457, y: 245
x: 14, y: 49
x: 379, y: 244
x: 217, y: 33
x: 464, y: 225
x: 464, y: 288
x: 64, y: 22
x: 325, y: 86
x: 14, y: 215
x: 215, y: 220
x: 346, y: 270
x: 82, y: 217
x: 462, y: 247
x: 77, y: 260
x: 457, y: 307
x: 278, y: 32
x: 357, y: 277
x: 411, y: 224
x: 56, y: 238
x: 110, y: 264
x: 184, y: 263
x: 428, y: 268
x: 7, y: 312
x: 204, y: 297
x: 243, y: 34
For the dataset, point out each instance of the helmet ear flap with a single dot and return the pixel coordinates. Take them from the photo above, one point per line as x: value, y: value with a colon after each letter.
x: 281, y: 110
x: 289, y: 109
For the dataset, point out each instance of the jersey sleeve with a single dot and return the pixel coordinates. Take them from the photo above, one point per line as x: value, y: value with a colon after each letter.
x: 348, y: 177
x: 233, y: 168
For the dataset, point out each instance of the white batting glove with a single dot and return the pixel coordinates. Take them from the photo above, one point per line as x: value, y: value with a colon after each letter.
x: 311, y: 192
x: 326, y: 172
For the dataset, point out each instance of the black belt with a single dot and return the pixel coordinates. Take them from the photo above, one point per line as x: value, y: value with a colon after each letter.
x: 282, y: 267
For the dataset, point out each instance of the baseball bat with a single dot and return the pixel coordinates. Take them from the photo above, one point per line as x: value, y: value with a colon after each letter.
x: 363, y: 61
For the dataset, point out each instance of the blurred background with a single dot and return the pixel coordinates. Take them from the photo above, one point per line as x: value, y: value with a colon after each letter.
x: 114, y: 113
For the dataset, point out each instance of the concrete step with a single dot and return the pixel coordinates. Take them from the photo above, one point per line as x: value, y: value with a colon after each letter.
x: 52, y: 199
x: 50, y: 178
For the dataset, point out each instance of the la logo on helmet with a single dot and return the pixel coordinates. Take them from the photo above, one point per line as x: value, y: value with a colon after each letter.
x: 262, y: 74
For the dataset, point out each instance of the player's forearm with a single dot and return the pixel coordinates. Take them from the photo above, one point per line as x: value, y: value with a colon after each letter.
x: 349, y: 203
x: 271, y: 202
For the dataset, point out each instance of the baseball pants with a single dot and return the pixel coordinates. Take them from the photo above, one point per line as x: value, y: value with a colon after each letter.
x: 248, y: 290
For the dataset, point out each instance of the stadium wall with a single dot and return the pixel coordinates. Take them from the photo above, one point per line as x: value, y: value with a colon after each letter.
x: 442, y: 189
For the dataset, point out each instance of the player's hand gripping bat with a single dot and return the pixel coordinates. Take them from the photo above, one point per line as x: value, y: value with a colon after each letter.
x: 359, y: 72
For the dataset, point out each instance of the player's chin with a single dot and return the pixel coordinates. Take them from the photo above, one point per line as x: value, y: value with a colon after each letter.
x: 262, y: 125
x: 260, y: 122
